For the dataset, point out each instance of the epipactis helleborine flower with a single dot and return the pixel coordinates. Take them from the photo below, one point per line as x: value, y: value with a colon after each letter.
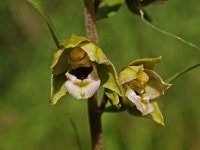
x: 79, y: 68
x: 142, y: 86
x: 82, y: 82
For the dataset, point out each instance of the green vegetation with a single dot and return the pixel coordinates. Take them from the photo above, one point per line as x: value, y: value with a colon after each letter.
x: 27, y: 121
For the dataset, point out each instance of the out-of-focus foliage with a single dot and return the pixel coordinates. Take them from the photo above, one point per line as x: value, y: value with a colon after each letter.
x: 39, y: 7
x: 27, y: 121
x: 107, y: 8
x: 136, y: 6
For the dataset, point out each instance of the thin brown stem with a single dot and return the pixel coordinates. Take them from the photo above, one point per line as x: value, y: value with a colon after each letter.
x: 93, y: 110
x: 95, y: 124
x: 90, y: 26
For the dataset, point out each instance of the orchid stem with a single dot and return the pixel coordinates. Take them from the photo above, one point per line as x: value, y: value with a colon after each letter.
x: 95, y: 124
x: 93, y: 109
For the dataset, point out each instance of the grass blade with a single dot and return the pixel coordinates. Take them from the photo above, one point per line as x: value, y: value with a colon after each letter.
x: 38, y: 6
x: 174, y: 77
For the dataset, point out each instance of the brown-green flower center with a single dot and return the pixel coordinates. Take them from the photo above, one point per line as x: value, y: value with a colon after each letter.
x: 77, y: 54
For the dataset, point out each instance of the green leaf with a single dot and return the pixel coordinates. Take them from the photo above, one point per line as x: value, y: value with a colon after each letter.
x: 182, y: 72
x: 108, y: 8
x: 148, y: 2
x: 38, y: 6
x: 136, y: 7
x: 58, y: 89
x: 156, y: 115
x: 148, y: 63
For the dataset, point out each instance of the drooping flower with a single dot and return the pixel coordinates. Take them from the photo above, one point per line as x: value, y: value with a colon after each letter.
x: 80, y: 68
x: 142, y: 86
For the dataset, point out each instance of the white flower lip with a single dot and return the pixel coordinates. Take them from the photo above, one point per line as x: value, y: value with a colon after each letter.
x: 144, y: 107
x: 82, y: 88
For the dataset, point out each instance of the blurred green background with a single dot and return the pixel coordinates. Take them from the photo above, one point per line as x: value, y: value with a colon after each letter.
x: 28, y: 122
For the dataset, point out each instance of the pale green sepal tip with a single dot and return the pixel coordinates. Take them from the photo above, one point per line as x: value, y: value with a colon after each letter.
x: 155, y: 87
x: 148, y: 63
x: 156, y: 115
x: 73, y: 41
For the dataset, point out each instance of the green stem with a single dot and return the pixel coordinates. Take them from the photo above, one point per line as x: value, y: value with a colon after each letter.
x: 93, y: 110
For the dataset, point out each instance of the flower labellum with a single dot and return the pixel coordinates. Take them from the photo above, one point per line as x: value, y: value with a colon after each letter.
x: 142, y: 104
x: 82, y: 82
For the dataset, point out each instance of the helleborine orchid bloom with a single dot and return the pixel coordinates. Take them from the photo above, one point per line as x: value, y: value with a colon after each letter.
x: 80, y: 86
x: 142, y: 86
x: 79, y: 68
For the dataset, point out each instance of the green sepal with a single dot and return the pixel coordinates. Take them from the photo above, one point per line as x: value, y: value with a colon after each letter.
x: 106, y: 70
x: 38, y: 6
x: 108, y: 8
x: 156, y: 115
x: 128, y: 74
x: 60, y: 59
x: 58, y: 89
x: 148, y: 63
x: 95, y: 53
x: 155, y: 87
x: 73, y: 41
x: 60, y: 62
x: 109, y: 79
x: 114, y: 98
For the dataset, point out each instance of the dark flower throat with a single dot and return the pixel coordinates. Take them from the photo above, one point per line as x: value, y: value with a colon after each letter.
x: 81, y: 72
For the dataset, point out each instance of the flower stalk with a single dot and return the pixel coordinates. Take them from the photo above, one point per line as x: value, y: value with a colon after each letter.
x: 93, y: 110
